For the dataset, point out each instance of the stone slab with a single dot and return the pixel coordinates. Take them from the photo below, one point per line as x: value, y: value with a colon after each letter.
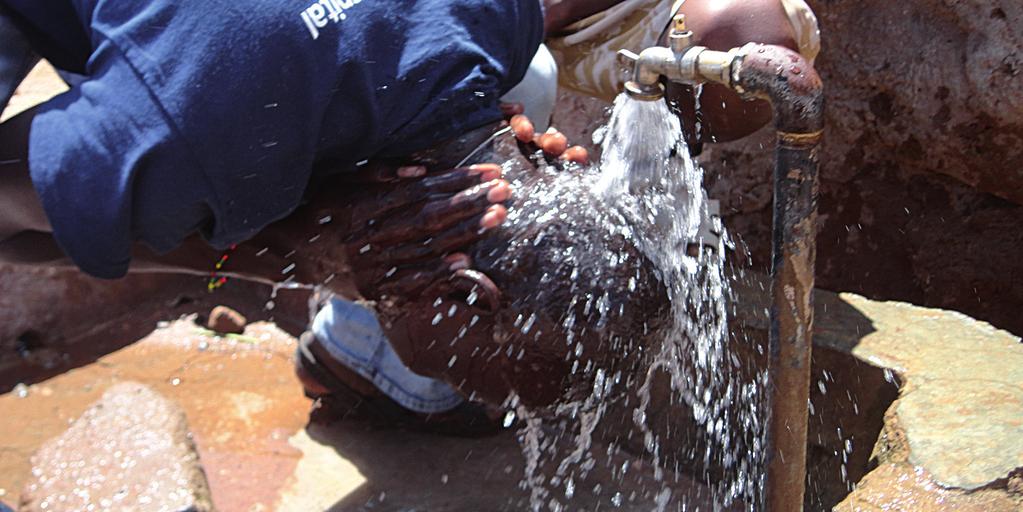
x: 967, y: 433
x: 902, y: 488
x: 130, y: 451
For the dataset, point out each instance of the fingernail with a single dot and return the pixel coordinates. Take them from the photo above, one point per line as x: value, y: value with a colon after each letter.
x: 485, y: 169
x: 495, y: 215
x: 411, y: 171
x: 499, y: 192
x: 488, y: 221
x: 457, y: 261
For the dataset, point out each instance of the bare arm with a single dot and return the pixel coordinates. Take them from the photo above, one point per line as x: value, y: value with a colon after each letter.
x: 562, y: 13
x: 20, y: 209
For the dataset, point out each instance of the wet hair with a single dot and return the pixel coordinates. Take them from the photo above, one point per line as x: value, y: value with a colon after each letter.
x: 580, y: 302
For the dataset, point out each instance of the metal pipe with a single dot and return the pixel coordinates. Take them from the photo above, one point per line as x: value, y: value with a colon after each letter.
x: 792, y: 85
x: 794, y: 89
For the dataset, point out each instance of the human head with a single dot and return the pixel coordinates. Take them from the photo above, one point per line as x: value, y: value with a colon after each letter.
x: 563, y: 297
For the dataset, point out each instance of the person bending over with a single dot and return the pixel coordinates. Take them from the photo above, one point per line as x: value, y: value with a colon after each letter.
x: 353, y: 356
x: 197, y: 126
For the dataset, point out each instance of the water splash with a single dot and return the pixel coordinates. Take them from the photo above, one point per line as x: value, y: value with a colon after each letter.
x: 648, y: 191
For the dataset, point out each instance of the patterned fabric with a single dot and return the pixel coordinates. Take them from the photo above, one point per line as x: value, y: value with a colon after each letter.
x: 590, y: 66
x: 804, y: 22
x: 587, y: 57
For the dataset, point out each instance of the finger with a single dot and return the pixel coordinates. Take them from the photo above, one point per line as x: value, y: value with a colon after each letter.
x: 466, y: 203
x: 412, y: 280
x: 384, y: 171
x: 458, y: 261
x: 553, y: 142
x: 577, y: 154
x: 459, y: 179
x: 432, y: 187
x: 512, y: 109
x: 523, y: 128
x: 411, y: 171
x: 495, y: 216
x: 455, y: 238
x: 438, y: 215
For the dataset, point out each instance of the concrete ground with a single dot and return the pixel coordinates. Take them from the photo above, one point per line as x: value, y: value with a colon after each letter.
x: 249, y: 421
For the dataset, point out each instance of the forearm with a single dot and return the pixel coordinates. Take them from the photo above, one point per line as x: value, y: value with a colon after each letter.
x: 20, y: 208
x: 559, y: 14
x: 24, y: 230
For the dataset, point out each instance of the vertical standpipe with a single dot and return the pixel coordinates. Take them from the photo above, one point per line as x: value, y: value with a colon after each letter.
x: 792, y: 85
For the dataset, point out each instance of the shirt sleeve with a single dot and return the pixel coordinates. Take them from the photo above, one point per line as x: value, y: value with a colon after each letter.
x: 111, y: 170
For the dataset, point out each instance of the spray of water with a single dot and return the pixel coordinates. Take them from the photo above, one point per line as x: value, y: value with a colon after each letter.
x: 649, y: 191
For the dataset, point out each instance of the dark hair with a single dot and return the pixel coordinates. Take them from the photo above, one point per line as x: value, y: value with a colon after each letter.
x: 579, y: 299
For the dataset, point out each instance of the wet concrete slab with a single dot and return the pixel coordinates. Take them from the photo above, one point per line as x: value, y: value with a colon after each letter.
x: 132, y: 450
x: 249, y: 421
x: 238, y: 393
x: 350, y: 467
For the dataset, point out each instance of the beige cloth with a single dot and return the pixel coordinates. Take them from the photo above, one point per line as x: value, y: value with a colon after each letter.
x: 586, y: 52
x: 804, y: 23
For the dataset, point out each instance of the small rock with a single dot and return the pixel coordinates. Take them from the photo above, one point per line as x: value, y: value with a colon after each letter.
x: 130, y: 451
x: 226, y: 321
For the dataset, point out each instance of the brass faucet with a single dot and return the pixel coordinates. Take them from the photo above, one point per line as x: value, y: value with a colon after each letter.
x: 680, y: 62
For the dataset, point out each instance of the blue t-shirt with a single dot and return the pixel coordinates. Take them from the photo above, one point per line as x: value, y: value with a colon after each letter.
x: 208, y: 116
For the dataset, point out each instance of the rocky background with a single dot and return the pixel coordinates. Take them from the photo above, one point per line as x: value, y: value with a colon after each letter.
x: 922, y: 175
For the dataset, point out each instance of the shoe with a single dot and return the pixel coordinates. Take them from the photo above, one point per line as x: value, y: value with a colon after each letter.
x: 342, y: 394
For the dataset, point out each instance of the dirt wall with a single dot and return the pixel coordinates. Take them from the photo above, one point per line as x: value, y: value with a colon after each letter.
x: 922, y: 176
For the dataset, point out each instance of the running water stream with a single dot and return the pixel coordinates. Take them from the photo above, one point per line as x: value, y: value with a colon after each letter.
x: 649, y: 191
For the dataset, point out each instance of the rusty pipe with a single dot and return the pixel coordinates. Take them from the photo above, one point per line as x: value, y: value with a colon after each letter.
x: 794, y: 89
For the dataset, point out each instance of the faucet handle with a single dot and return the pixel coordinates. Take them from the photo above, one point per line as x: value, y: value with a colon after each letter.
x: 679, y: 23
x: 680, y: 38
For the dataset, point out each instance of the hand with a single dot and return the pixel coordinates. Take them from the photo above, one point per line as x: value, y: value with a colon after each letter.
x: 385, y: 233
x: 457, y: 329
x: 409, y: 237
x: 553, y: 142
x: 724, y: 25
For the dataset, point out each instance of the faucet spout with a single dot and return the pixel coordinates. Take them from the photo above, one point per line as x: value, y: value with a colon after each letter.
x: 681, y: 62
x: 691, y: 65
